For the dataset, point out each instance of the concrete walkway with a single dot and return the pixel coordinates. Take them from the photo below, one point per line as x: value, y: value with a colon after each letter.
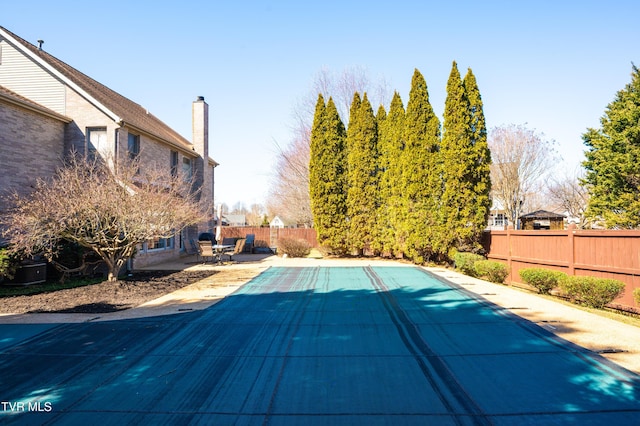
x: 614, y: 340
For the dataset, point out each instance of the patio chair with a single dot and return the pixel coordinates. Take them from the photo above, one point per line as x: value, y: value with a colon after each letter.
x: 231, y: 250
x: 249, y: 242
x: 205, y: 249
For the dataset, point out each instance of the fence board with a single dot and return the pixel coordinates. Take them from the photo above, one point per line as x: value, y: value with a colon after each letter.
x: 602, y: 253
x: 268, y: 237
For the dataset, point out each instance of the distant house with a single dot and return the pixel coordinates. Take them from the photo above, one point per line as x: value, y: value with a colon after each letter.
x: 497, y: 220
x: 235, y: 219
x: 49, y: 109
x: 542, y: 219
x: 278, y: 222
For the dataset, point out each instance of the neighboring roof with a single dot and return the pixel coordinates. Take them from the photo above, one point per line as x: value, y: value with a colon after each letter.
x: 542, y: 214
x: 283, y: 220
x: 118, y: 107
x: 235, y: 218
x: 16, y: 99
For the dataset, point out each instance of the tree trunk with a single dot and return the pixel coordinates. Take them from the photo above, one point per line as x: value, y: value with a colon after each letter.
x: 114, y: 270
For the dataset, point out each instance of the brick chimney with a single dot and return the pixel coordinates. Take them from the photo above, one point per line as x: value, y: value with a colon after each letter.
x: 202, y: 171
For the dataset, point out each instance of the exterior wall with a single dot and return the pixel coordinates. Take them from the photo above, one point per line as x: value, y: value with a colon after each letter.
x: 154, y: 153
x: 31, y: 147
x: 552, y: 224
x: 606, y: 254
x: 497, y: 220
x: 85, y: 116
x: 21, y: 75
x: 276, y: 223
x: 146, y: 257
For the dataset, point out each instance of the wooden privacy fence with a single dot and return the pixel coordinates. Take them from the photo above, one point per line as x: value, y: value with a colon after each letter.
x: 599, y: 253
x: 268, y: 237
x: 606, y: 254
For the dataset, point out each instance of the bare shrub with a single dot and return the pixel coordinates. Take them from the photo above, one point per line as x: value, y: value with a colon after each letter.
x: 108, y: 207
x: 294, y: 247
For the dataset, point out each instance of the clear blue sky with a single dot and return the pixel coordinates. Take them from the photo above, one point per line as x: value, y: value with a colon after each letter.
x: 554, y: 65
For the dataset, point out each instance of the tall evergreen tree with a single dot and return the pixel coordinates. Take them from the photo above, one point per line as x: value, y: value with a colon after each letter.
x: 465, y: 197
x: 381, y: 115
x: 376, y: 244
x: 481, y: 155
x: 456, y: 154
x: 613, y: 161
x: 421, y: 171
x: 327, y: 176
x: 317, y: 185
x: 353, y: 111
x: 362, y: 193
x: 390, y: 146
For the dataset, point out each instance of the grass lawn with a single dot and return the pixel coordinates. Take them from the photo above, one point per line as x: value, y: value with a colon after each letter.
x: 46, y: 287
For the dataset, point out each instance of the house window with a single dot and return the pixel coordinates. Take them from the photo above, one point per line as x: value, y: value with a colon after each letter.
x: 96, y: 141
x: 187, y: 170
x: 499, y: 220
x: 174, y: 163
x: 160, y: 244
x: 133, y: 146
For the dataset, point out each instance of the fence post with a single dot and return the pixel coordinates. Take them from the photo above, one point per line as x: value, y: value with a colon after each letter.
x: 273, y: 236
x: 509, y: 261
x: 572, y: 253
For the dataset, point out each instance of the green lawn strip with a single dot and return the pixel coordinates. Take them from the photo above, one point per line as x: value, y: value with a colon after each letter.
x: 48, y: 287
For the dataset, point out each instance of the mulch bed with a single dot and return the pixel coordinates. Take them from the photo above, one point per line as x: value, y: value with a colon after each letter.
x: 104, y: 297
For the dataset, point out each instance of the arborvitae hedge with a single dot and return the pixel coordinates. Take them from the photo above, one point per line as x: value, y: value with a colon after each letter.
x: 455, y: 153
x: 389, y: 184
x: 362, y: 193
x: 390, y: 147
x: 328, y: 177
x: 465, y: 159
x: 421, y: 171
x: 481, y: 159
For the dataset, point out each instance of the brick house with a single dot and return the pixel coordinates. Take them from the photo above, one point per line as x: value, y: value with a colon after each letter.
x: 49, y: 109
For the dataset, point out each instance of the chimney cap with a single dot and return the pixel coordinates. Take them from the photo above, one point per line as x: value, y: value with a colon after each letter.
x: 200, y: 98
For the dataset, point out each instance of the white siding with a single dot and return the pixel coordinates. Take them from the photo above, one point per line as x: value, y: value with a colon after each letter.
x: 21, y: 75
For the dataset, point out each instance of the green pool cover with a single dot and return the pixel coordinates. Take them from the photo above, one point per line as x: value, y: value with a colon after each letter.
x: 314, y: 346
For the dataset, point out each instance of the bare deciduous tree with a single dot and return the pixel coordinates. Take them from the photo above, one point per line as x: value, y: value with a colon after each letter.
x: 567, y: 193
x: 521, y: 158
x: 289, y: 194
x: 254, y: 215
x: 289, y: 191
x: 107, y: 209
